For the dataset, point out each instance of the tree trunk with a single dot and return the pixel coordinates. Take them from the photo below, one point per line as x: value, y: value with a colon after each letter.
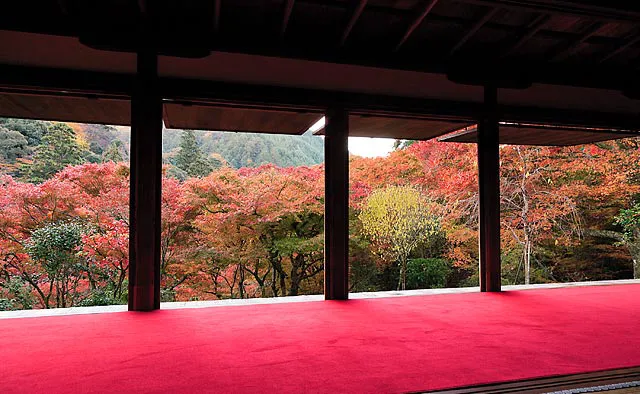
x: 527, y: 261
x: 241, y: 282
x: 274, y: 283
x: 295, y: 276
x: 402, y: 278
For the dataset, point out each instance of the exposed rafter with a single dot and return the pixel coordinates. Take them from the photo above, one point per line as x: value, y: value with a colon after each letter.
x: 428, y: 6
x: 216, y: 15
x: 64, y: 7
x: 629, y: 42
x: 142, y: 6
x: 353, y: 20
x: 575, y: 45
x: 534, y: 27
x: 601, y: 10
x: 288, y: 7
x: 474, y: 29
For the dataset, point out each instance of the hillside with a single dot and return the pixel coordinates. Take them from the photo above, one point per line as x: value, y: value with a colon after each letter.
x: 253, y: 150
x: 236, y: 149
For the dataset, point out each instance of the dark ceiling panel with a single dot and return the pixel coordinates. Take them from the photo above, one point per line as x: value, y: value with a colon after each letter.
x: 226, y: 118
x: 400, y: 128
x: 66, y: 108
x: 542, y: 135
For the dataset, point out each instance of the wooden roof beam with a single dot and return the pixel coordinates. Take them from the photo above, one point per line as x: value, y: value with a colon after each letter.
x: 599, y: 10
x: 288, y: 8
x: 217, y: 5
x: 64, y: 7
x: 428, y: 6
x: 575, y: 45
x: 353, y: 20
x: 631, y: 41
x: 474, y: 29
x: 532, y: 29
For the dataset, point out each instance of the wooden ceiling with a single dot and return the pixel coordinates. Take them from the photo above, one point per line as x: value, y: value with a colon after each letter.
x: 72, y: 108
x: 542, y: 135
x: 400, y: 128
x: 583, y: 43
x: 225, y: 118
x: 82, y: 109
x: 571, y: 63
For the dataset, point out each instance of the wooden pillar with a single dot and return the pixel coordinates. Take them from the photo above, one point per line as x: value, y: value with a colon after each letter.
x: 145, y: 200
x: 336, y: 205
x: 489, y: 192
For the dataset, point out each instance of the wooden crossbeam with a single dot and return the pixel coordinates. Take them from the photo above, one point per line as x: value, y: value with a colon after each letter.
x: 428, y: 6
x: 217, y: 5
x: 474, y: 29
x: 352, y: 21
x: 629, y: 42
x: 600, y: 10
x: 288, y: 8
x: 64, y: 7
x: 534, y: 27
x: 573, y: 47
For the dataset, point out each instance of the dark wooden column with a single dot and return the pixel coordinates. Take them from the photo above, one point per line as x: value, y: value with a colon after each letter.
x: 146, y: 167
x: 489, y: 192
x: 336, y: 205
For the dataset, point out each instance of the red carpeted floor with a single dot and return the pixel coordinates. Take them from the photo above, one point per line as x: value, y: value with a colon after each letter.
x: 386, y: 345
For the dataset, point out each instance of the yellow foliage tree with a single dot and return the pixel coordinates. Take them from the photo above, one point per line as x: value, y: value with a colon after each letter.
x: 397, y: 219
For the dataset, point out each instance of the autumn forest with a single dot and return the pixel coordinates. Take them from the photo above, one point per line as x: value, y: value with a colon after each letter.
x: 238, y: 226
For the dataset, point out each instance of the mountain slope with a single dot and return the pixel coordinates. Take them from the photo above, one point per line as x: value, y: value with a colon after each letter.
x: 253, y: 150
x: 237, y: 149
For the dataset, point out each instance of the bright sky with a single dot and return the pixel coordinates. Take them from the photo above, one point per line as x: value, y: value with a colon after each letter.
x: 370, y: 147
x: 363, y: 146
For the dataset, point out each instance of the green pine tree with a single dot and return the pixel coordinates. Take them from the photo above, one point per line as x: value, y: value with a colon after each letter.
x: 190, y: 158
x: 114, y: 152
x: 58, y: 149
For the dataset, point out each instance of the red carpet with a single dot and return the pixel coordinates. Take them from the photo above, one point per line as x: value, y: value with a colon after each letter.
x: 386, y: 345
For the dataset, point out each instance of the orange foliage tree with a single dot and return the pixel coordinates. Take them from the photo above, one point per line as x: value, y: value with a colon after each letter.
x: 259, y: 232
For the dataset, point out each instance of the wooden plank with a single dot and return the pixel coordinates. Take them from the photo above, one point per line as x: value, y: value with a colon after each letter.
x: 544, y: 135
x: 217, y: 6
x: 286, y: 15
x: 473, y: 30
x: 629, y: 42
x: 399, y: 127
x: 66, y: 108
x: 601, y: 10
x: 534, y: 27
x: 336, y: 218
x: 239, y: 119
x: 575, y: 45
x: 489, y: 193
x: 145, y: 200
x: 553, y: 383
x: 352, y: 21
x: 428, y: 6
